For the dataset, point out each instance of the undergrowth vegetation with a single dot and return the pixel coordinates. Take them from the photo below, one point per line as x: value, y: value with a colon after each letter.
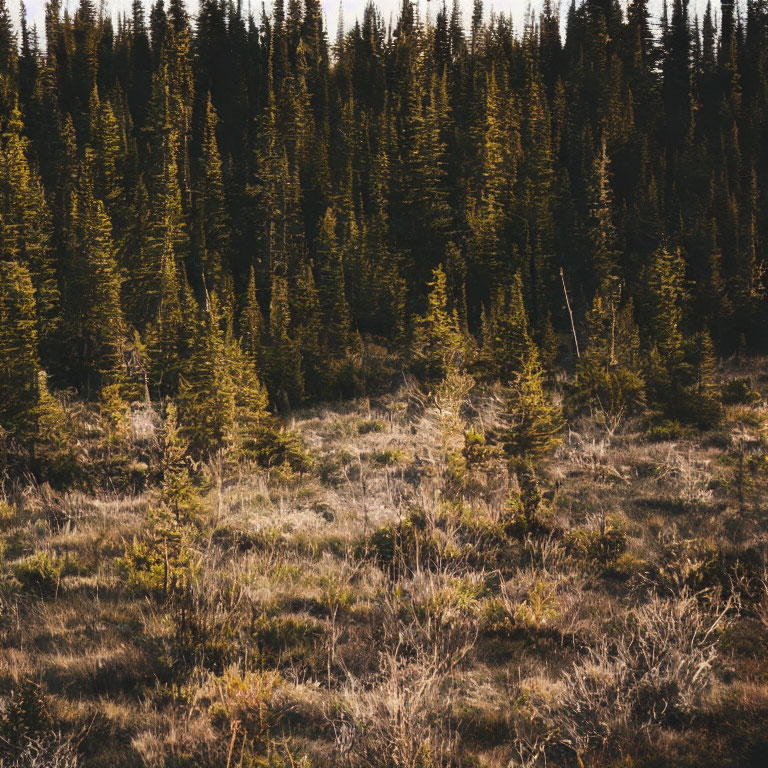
x: 394, y: 583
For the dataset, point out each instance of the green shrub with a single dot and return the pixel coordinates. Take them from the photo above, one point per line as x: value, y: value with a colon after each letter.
x: 372, y: 425
x: 286, y: 638
x: 40, y: 574
x: 158, y: 563
x: 251, y: 700
x: 476, y: 451
x: 7, y: 512
x: 274, y: 446
x: 539, y: 609
x: 661, y: 430
x: 748, y: 418
x: 455, y: 534
x: 397, y: 546
x: 72, y: 565
x: 386, y: 458
x: 330, y: 468
x: 384, y: 543
x: 601, y: 545
x: 458, y: 595
x: 625, y: 566
x: 495, y: 618
x: 614, y: 391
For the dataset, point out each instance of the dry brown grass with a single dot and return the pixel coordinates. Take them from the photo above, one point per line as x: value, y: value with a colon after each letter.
x: 383, y: 611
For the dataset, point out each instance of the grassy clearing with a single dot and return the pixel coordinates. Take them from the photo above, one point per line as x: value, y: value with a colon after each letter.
x: 393, y: 606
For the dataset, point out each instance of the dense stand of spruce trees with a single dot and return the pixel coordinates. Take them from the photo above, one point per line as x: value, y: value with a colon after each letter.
x: 233, y: 211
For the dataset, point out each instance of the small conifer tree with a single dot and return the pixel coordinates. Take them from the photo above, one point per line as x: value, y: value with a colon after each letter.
x: 221, y: 398
x: 114, y: 412
x: 53, y: 446
x: 532, y: 422
x: 438, y: 342
x: 283, y: 355
x: 608, y: 374
x: 507, y: 343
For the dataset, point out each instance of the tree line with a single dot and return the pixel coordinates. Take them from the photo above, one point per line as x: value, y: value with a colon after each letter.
x: 237, y: 211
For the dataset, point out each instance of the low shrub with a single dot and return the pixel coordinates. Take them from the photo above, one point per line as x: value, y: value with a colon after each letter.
x: 601, y: 545
x: 158, y: 563
x: 654, y: 673
x: 275, y: 446
x: 386, y: 458
x: 372, y: 425
x: 28, y: 738
x: 664, y: 430
x: 39, y: 574
x: 284, y: 639
x: 539, y: 609
x: 252, y: 701
x: 495, y: 619
x: 626, y: 566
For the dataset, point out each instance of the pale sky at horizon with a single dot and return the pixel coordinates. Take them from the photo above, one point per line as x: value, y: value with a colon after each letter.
x: 352, y: 9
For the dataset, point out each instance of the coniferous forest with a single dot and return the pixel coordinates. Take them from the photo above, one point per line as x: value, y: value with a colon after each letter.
x: 386, y: 397
x: 174, y: 184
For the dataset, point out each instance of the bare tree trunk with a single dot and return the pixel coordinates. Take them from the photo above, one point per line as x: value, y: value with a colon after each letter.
x: 570, y: 314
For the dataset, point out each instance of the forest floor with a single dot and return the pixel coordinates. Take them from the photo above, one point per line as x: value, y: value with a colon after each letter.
x: 391, y: 607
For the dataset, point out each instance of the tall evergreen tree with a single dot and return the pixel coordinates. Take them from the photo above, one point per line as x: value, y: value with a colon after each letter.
x: 27, y: 227
x: 212, y: 211
x: 337, y: 325
x: 602, y: 232
x: 94, y: 319
x: 18, y: 347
